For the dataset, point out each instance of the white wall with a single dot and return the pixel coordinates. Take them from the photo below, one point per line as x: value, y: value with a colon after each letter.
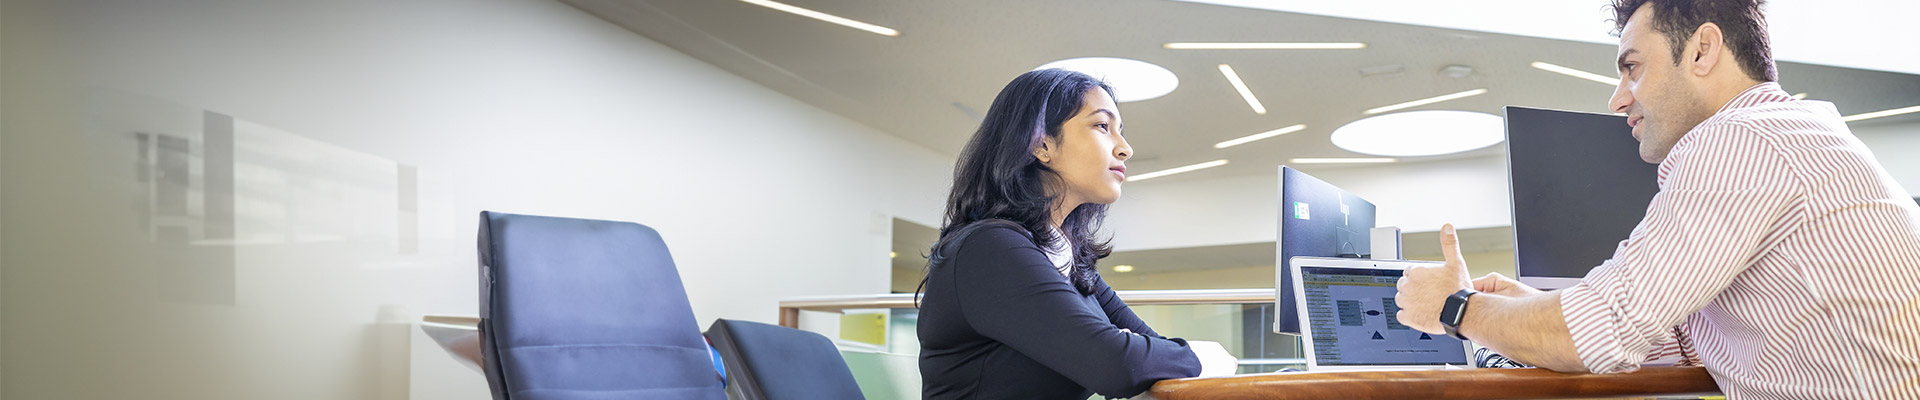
x: 1417, y: 197
x: 1898, y: 148
x: 525, y: 106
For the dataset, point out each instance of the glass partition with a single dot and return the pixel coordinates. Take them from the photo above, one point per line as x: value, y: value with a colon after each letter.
x: 886, y: 363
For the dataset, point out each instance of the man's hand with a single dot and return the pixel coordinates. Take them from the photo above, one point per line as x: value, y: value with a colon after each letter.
x: 1424, y: 290
x: 1496, y: 283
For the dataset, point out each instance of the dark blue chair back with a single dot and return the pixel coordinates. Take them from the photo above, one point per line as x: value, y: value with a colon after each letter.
x: 574, y: 309
x: 779, y: 363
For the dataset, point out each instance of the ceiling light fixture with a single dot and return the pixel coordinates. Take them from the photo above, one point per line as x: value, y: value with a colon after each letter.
x: 1176, y: 170
x: 1132, y: 80
x: 1420, y: 133
x: 1426, y: 101
x: 1123, y: 268
x: 824, y: 17
x: 1343, y: 160
x: 1577, y: 73
x: 1258, y: 136
x: 1878, y: 114
x: 1368, y: 72
x: 1242, y: 87
x: 1801, y: 96
x: 1263, y: 46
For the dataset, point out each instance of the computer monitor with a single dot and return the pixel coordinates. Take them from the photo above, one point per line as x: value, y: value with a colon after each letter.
x: 1579, y: 187
x: 1317, y: 219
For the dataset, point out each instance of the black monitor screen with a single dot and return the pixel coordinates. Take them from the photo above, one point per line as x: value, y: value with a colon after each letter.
x: 1317, y: 219
x: 1579, y: 187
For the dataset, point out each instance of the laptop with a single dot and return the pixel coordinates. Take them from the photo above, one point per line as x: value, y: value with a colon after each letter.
x: 1349, y: 321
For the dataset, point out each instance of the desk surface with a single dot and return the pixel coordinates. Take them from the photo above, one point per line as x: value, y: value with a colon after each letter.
x: 1457, y: 384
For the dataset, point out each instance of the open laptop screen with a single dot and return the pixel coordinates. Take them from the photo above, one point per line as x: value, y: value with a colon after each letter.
x: 1353, y: 321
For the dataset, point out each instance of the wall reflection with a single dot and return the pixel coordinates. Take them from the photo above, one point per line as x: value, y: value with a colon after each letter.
x: 288, y: 239
x: 207, y: 187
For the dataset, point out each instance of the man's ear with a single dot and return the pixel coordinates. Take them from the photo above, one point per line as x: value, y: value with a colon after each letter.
x: 1708, y: 43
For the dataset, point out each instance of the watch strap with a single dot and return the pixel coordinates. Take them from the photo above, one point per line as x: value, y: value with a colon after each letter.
x: 1457, y: 307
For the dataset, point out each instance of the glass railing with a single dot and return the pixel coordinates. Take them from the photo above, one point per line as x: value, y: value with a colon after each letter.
x: 876, y: 333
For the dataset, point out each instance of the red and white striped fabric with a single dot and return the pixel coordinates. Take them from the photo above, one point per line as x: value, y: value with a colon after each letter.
x: 1778, y: 254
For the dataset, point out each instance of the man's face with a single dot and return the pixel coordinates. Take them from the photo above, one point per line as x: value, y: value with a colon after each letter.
x: 1662, y: 100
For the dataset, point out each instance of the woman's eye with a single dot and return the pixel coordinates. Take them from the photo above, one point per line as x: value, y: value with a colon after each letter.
x: 1102, y: 126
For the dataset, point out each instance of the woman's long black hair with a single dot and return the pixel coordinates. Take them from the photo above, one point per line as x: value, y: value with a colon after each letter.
x: 998, y: 177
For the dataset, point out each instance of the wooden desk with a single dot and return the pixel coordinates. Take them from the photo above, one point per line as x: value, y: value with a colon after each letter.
x: 1457, y: 384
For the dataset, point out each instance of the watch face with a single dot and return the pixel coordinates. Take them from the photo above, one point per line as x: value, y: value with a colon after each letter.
x: 1454, y: 309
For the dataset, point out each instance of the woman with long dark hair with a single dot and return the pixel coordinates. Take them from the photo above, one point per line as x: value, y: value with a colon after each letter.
x: 1012, y: 305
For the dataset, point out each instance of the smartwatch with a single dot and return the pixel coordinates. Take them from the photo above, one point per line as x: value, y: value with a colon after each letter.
x: 1455, y: 312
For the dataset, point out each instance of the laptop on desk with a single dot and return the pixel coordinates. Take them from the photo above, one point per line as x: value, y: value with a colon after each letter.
x: 1348, y: 320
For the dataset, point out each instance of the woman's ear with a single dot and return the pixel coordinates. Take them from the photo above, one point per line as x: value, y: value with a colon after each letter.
x: 1045, y: 151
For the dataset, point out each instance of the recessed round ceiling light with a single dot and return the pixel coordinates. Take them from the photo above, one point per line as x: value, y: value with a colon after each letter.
x: 1132, y: 80
x: 1420, y: 133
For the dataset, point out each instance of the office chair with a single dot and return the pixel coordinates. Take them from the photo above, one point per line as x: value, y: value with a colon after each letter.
x: 768, y: 362
x: 574, y: 309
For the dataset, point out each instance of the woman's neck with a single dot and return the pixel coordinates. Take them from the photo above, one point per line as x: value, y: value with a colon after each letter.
x: 1061, y: 208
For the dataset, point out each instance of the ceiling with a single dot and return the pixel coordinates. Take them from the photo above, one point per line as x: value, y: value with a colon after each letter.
x: 929, y: 84
x: 1825, y: 32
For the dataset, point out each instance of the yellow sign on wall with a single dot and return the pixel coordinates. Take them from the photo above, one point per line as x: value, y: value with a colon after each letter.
x: 864, y: 327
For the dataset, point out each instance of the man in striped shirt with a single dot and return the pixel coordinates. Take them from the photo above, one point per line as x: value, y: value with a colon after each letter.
x: 1778, y: 253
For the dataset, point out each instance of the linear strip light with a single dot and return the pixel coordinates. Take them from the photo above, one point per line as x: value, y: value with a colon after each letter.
x: 1176, y: 170
x: 1577, y: 73
x: 824, y: 17
x: 1258, y: 136
x: 1342, y: 160
x: 1242, y: 87
x: 1263, y: 46
x: 1878, y: 114
x: 1426, y: 101
x: 1801, y: 96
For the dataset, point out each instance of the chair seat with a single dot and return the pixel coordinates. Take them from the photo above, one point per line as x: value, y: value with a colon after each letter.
x: 774, y: 362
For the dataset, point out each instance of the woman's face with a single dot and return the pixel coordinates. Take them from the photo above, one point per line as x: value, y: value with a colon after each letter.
x: 1090, y: 155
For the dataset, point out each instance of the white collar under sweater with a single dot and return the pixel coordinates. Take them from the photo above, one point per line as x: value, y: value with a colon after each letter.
x: 1061, y: 253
